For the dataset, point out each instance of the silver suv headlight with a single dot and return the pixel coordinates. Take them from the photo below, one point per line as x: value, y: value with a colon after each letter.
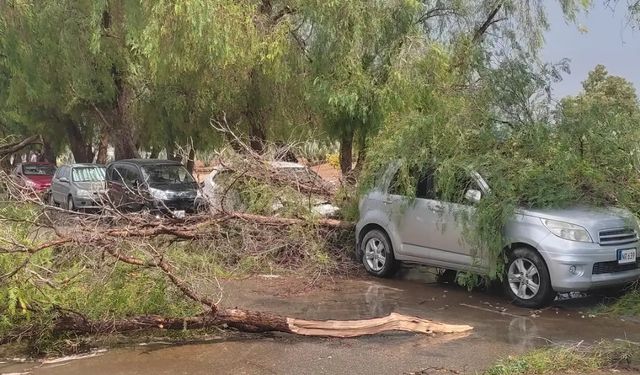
x: 567, y: 231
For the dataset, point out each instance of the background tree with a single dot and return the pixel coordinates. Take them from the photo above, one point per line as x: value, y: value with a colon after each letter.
x: 603, y: 119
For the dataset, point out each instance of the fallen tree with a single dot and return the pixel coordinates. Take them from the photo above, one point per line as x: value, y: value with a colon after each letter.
x: 257, y: 321
x: 76, y: 247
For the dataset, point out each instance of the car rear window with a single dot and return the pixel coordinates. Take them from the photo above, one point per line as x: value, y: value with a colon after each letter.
x: 38, y: 170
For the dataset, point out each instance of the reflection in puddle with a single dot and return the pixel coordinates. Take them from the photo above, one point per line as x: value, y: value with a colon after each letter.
x: 377, y: 300
x: 523, y: 333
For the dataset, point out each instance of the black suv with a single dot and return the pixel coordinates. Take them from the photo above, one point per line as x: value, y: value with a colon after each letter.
x: 163, y: 185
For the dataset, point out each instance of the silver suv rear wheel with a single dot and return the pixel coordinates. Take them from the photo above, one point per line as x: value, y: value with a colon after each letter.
x: 374, y: 254
x: 377, y: 253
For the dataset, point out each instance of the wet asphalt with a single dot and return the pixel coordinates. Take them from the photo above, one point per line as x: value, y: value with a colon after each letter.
x: 500, y: 330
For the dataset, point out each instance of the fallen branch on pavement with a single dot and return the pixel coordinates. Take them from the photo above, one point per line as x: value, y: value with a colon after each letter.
x: 256, y: 321
x: 135, y: 240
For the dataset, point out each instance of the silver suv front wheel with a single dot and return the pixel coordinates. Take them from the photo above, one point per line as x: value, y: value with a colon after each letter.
x: 524, y: 278
x: 527, y: 280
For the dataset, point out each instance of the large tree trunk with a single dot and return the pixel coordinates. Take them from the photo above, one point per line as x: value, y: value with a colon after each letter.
x: 122, y: 135
x: 80, y: 148
x: 103, y: 146
x: 121, y: 132
x: 256, y: 113
x: 346, y: 152
x: 362, y: 154
x: 48, y: 154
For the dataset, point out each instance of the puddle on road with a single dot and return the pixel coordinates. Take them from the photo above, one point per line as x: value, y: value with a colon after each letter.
x: 417, y: 293
x: 499, y: 329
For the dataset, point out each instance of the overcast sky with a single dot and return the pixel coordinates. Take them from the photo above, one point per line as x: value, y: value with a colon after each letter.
x: 608, y: 40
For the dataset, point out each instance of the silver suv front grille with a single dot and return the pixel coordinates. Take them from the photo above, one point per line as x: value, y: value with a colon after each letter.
x: 618, y: 236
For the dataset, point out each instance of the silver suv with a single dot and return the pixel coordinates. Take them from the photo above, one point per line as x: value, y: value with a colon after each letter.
x: 549, y: 251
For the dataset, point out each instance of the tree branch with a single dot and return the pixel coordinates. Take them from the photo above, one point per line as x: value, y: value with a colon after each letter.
x: 479, y: 33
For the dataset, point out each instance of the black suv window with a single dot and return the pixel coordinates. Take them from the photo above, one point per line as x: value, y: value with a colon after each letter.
x: 129, y: 174
x: 123, y: 174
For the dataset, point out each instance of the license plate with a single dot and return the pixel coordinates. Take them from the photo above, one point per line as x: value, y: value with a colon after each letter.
x: 180, y: 214
x: 626, y: 256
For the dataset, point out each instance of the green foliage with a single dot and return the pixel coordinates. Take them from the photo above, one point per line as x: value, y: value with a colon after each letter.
x: 588, y: 156
x: 575, y: 359
x: 276, y: 69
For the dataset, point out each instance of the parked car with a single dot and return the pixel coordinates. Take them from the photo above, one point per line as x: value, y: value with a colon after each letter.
x: 78, y: 186
x: 34, y: 176
x: 162, y: 185
x: 216, y: 184
x: 549, y: 250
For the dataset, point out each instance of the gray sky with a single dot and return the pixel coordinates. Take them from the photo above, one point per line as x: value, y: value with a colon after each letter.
x: 608, y: 41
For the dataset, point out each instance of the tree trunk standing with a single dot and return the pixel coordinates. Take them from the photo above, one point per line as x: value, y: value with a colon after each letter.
x: 346, y: 152
x: 362, y: 155
x: 48, y: 154
x: 122, y: 136
x: 257, y: 137
x: 80, y: 148
x: 153, y: 154
x: 255, y: 113
x: 191, y: 160
x: 121, y: 131
x: 103, y: 146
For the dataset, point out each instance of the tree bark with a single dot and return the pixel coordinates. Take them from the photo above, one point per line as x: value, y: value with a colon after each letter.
x: 257, y: 321
x: 103, y: 146
x: 256, y: 112
x: 121, y: 131
x: 479, y: 33
x: 346, y: 152
x: 122, y: 136
x: 48, y: 154
x: 80, y: 148
x: 362, y: 155
x: 257, y: 136
x: 191, y: 160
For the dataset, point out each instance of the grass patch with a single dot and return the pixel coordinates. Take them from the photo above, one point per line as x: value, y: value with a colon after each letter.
x: 628, y: 305
x: 577, y: 359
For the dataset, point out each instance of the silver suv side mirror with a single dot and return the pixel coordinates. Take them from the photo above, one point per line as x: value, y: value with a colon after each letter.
x: 473, y: 195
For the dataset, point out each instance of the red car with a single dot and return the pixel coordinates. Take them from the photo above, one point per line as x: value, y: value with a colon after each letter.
x: 34, y: 176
